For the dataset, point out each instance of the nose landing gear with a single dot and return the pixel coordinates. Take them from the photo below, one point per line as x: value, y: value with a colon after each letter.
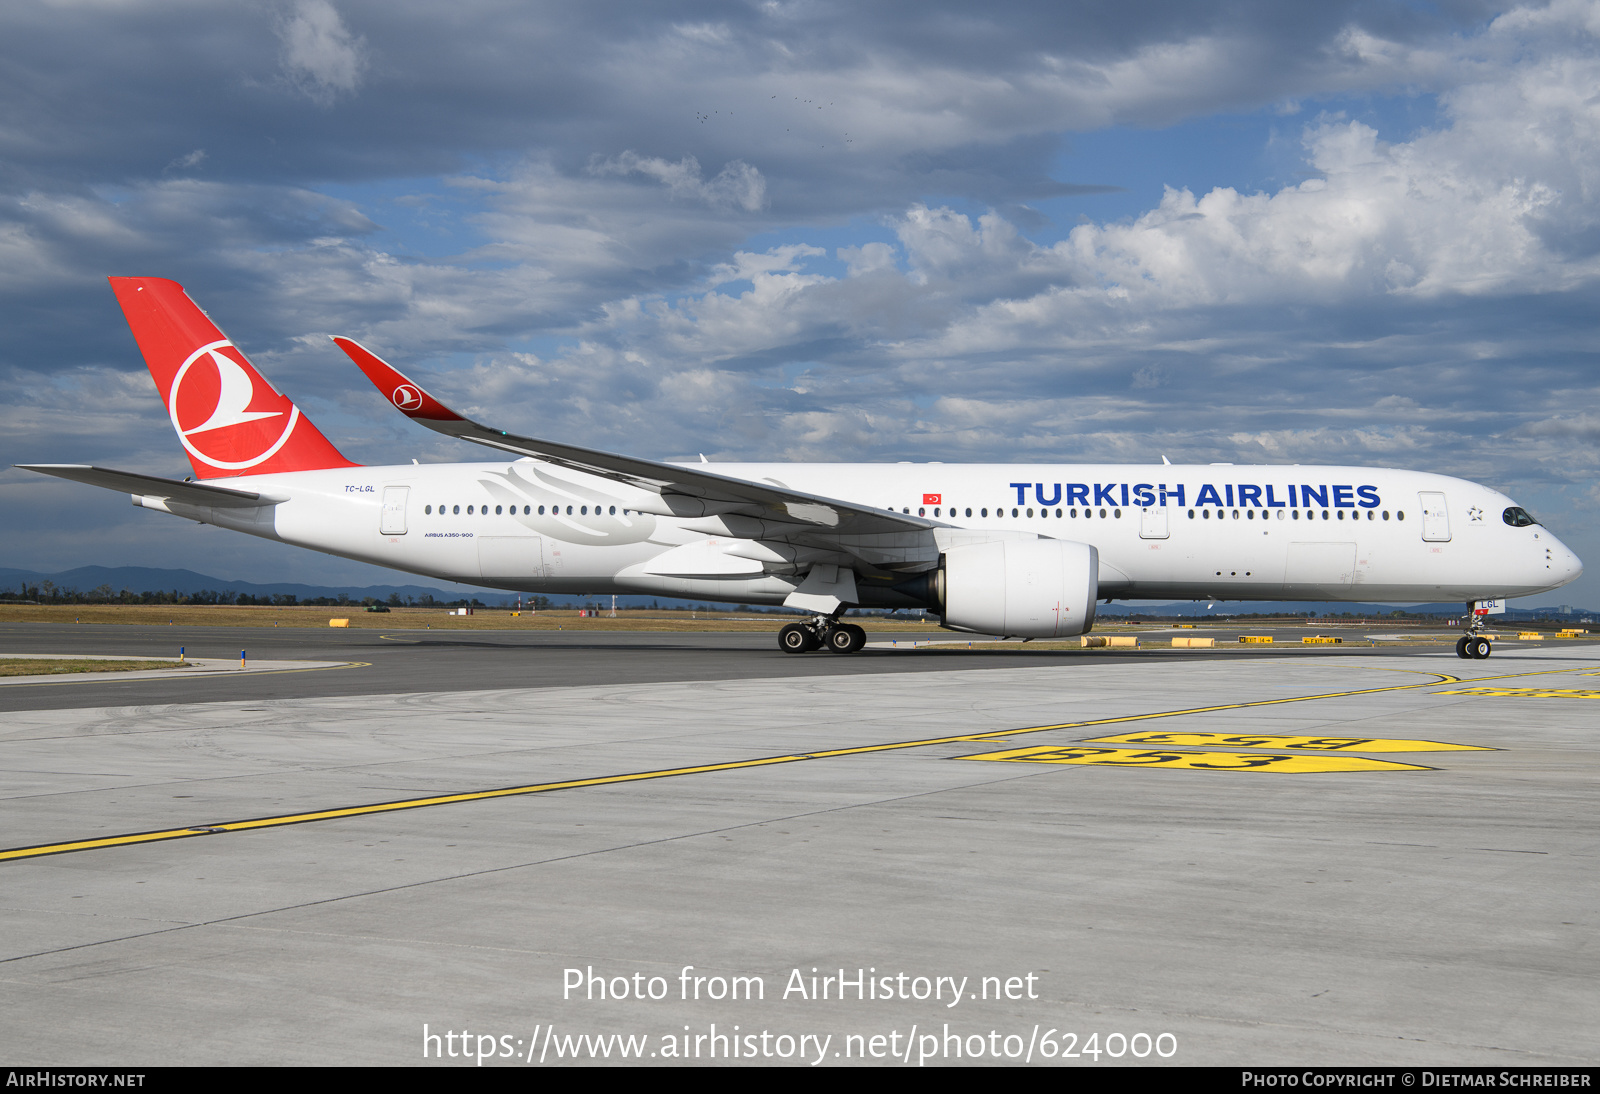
x: 1473, y: 645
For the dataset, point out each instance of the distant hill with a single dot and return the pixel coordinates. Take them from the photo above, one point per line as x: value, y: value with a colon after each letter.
x: 140, y: 579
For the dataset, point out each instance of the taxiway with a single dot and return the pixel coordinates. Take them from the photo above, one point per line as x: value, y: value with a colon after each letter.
x: 312, y: 866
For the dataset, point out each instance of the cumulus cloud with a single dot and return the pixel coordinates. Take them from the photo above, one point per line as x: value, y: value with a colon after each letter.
x: 320, y: 57
x: 736, y: 186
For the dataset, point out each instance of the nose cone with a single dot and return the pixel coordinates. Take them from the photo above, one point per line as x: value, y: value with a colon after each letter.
x: 1567, y: 563
x: 1562, y: 566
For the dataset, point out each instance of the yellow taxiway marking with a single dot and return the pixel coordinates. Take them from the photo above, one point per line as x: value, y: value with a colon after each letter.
x: 134, y: 838
x: 1201, y: 761
x: 1276, y: 740
x: 1529, y: 693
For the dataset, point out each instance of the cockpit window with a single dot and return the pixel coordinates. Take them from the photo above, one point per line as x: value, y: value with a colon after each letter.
x: 1518, y: 517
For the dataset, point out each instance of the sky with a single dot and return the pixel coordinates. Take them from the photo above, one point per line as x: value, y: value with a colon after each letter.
x: 1345, y: 232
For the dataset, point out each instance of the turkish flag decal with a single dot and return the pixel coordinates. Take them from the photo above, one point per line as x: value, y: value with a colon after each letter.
x: 932, y: 499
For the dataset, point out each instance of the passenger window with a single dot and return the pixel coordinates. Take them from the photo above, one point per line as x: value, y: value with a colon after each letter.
x: 469, y: 510
x: 1401, y: 515
x: 427, y: 510
x: 1249, y: 514
x: 1386, y: 514
x: 456, y: 509
x: 541, y: 510
x: 1191, y: 514
x: 969, y: 512
x: 1030, y: 512
x: 497, y: 511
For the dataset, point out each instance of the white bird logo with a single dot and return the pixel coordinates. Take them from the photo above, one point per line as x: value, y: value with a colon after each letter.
x: 236, y: 390
x: 233, y: 398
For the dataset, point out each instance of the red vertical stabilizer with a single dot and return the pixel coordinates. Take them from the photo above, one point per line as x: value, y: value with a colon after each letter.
x: 229, y: 419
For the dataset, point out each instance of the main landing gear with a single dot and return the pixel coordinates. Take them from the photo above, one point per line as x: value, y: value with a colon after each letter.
x: 822, y: 632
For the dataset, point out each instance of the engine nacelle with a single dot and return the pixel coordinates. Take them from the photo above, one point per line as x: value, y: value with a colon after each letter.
x: 1043, y: 588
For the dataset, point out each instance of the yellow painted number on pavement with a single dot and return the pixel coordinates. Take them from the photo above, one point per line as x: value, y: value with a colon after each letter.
x: 1202, y: 761
x: 1274, y: 740
x: 1528, y: 693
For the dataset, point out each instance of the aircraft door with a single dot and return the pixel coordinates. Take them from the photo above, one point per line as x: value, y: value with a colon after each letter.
x: 1435, y: 517
x: 393, y: 521
x: 1153, y: 522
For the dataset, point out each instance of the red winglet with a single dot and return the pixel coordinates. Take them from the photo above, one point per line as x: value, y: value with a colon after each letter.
x: 413, y: 401
x: 228, y: 417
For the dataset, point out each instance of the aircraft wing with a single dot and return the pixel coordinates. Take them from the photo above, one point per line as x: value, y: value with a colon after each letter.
x: 131, y: 482
x: 717, y: 494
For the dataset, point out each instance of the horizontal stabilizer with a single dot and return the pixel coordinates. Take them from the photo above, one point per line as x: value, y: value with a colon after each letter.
x: 154, y: 486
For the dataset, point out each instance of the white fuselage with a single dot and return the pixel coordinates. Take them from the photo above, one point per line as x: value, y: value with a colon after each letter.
x: 1162, y: 532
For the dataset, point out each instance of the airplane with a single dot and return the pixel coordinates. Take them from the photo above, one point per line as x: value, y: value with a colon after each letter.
x: 1018, y: 550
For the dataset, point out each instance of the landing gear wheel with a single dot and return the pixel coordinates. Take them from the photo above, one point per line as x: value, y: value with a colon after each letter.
x: 796, y: 639
x: 1479, y: 648
x: 846, y: 638
x: 1461, y: 646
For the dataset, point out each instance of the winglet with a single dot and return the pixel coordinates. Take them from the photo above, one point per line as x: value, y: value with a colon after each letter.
x: 413, y: 401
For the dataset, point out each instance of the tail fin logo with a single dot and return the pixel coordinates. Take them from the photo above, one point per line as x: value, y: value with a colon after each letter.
x: 223, y: 416
x: 407, y: 397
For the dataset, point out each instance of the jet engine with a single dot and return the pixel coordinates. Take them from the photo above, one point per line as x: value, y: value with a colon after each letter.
x: 1041, y: 588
